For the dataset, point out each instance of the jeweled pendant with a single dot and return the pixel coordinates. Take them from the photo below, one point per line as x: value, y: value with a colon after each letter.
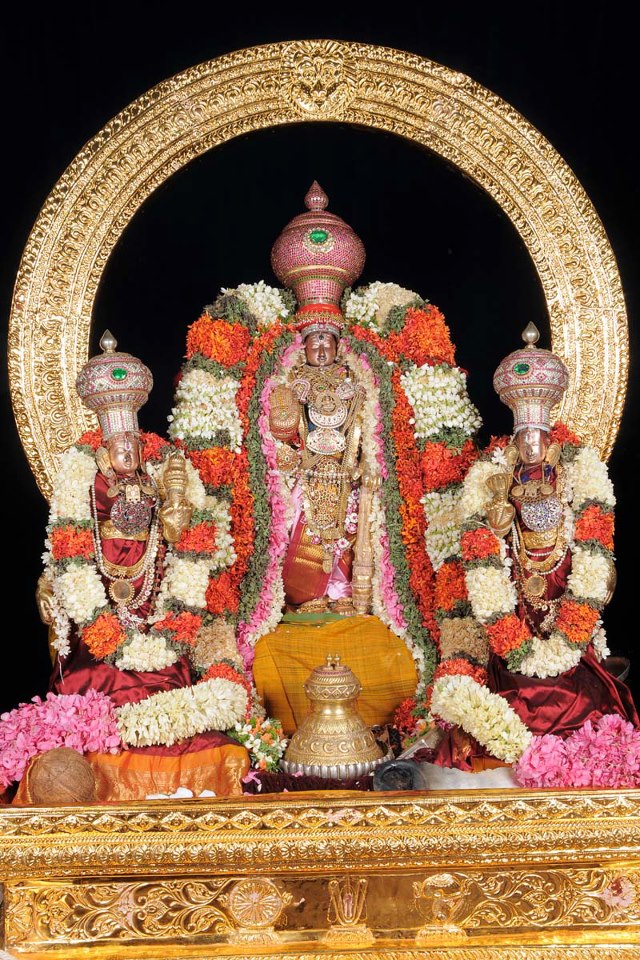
x: 121, y: 591
x: 517, y: 491
x: 535, y: 585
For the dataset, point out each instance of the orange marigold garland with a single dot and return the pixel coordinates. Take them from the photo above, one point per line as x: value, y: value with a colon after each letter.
x: 198, y: 539
x: 70, y: 541
x: 595, y: 524
x: 479, y: 544
x: 459, y: 666
x: 182, y: 627
x: 103, y: 636
x: 443, y: 465
x: 225, y: 343
x: 577, y: 621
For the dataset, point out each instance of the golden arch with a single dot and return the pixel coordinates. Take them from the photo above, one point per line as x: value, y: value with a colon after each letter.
x: 285, y: 83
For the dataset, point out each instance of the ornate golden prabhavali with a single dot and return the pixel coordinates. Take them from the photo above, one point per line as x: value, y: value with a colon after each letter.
x: 498, y: 874
x: 283, y: 83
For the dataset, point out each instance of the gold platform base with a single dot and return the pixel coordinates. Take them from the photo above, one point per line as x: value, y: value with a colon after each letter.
x: 475, y: 875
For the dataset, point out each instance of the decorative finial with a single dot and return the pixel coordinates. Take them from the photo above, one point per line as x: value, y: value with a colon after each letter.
x: 108, y: 342
x: 316, y: 198
x: 531, y: 334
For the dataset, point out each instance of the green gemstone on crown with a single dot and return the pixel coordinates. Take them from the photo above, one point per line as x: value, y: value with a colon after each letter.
x: 521, y: 368
x: 318, y: 236
x: 119, y: 373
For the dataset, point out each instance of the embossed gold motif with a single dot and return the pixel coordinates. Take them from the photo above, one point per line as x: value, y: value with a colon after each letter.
x: 375, y: 87
x: 445, y: 895
x: 319, y: 77
x: 346, y: 913
x: 255, y: 905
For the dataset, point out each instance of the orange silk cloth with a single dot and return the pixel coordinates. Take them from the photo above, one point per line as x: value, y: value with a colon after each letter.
x: 380, y: 660
x: 135, y: 774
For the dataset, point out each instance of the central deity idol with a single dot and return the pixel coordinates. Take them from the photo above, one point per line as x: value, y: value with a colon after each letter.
x: 315, y: 416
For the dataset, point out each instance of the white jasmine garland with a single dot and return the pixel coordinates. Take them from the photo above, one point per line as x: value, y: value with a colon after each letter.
x: 166, y: 718
x: 486, y: 716
x: 361, y: 307
x: 206, y: 404
x: 599, y: 642
x: 186, y: 580
x: 443, y: 541
x: 589, y: 575
x: 551, y: 657
x: 438, y: 396
x: 81, y: 591
x: 589, y: 479
x: 443, y: 529
x: 265, y: 303
x: 145, y: 653
x: 490, y: 591
x: 371, y: 305
x: 195, y: 493
x: 72, y: 490
x: 476, y: 495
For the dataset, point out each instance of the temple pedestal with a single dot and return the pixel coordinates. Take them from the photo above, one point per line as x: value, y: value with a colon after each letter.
x: 472, y: 875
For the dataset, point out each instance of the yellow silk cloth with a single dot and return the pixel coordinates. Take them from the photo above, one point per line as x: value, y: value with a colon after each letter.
x: 380, y: 660
x: 134, y: 776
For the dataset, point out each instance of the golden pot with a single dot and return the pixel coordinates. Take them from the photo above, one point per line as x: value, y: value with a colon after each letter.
x: 333, y: 741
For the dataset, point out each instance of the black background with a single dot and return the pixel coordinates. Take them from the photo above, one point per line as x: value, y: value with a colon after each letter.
x: 67, y: 72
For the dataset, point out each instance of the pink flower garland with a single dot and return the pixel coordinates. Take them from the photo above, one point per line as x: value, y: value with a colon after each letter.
x: 86, y: 723
x: 389, y: 599
x: 264, y: 610
x: 601, y: 754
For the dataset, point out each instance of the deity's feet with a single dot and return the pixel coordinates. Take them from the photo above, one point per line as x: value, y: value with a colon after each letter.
x: 344, y: 607
x: 318, y: 605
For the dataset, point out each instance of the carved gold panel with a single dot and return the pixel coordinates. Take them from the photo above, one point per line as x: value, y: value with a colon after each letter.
x: 283, y: 83
x: 520, y: 873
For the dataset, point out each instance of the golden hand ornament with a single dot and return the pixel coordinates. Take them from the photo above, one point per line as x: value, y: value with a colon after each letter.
x: 175, y: 512
x: 284, y: 413
x: 45, y: 600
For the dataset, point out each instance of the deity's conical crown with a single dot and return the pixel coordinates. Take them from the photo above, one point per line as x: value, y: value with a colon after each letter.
x: 114, y: 385
x: 531, y: 381
x: 317, y: 255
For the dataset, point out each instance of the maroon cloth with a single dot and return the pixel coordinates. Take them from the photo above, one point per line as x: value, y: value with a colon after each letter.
x: 563, y: 704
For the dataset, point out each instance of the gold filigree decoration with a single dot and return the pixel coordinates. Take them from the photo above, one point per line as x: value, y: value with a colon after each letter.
x: 85, y: 913
x: 388, y: 90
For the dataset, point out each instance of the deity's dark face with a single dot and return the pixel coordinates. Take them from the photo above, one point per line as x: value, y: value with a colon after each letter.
x: 124, y: 452
x: 532, y: 445
x: 320, y: 349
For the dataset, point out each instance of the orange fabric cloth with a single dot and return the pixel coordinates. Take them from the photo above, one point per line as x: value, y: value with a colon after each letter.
x: 380, y: 660
x: 134, y: 775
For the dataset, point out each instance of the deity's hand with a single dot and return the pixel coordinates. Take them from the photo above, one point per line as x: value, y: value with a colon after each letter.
x: 500, y: 517
x: 45, y: 600
x: 371, y: 481
x: 175, y: 517
x: 175, y: 512
x: 284, y: 413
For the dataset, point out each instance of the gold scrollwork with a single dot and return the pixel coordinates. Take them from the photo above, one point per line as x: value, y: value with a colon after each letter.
x: 387, y: 90
x: 50, y: 913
